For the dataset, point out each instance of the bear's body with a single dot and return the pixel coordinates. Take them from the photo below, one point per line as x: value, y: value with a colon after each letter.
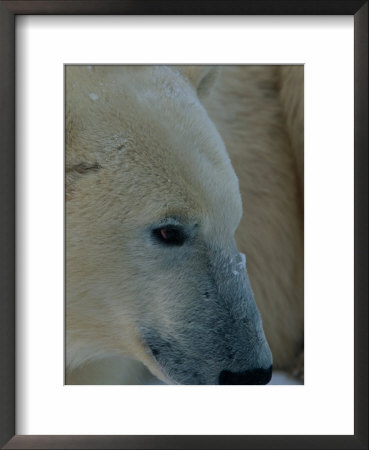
x: 153, y: 274
x: 261, y: 124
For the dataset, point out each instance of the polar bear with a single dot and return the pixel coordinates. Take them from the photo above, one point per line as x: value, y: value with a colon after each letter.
x: 157, y: 281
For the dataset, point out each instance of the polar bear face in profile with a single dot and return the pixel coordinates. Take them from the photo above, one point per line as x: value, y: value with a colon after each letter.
x: 152, y: 206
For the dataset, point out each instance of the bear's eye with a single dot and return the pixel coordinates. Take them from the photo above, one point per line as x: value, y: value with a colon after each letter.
x: 169, y: 236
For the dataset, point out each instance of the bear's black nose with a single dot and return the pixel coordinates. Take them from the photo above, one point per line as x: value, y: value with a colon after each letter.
x: 254, y: 376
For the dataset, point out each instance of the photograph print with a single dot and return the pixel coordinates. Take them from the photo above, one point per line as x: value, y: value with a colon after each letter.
x: 184, y: 211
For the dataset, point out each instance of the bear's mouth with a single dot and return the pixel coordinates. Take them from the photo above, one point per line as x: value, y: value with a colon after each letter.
x: 155, y: 353
x: 172, y: 362
x: 182, y: 371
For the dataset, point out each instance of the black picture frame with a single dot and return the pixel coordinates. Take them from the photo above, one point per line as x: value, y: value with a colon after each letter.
x: 8, y: 12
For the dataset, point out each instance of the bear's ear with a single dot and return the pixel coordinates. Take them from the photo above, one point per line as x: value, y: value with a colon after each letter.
x: 202, y: 78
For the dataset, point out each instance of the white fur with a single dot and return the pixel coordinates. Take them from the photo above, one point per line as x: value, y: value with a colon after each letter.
x: 144, y: 146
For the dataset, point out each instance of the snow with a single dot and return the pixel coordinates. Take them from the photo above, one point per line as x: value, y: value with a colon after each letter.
x: 283, y: 378
x: 242, y: 264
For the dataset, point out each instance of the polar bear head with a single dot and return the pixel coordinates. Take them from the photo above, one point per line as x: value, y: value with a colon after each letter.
x: 153, y: 203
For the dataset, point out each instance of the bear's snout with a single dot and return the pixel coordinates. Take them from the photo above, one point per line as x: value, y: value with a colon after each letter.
x: 254, y: 376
